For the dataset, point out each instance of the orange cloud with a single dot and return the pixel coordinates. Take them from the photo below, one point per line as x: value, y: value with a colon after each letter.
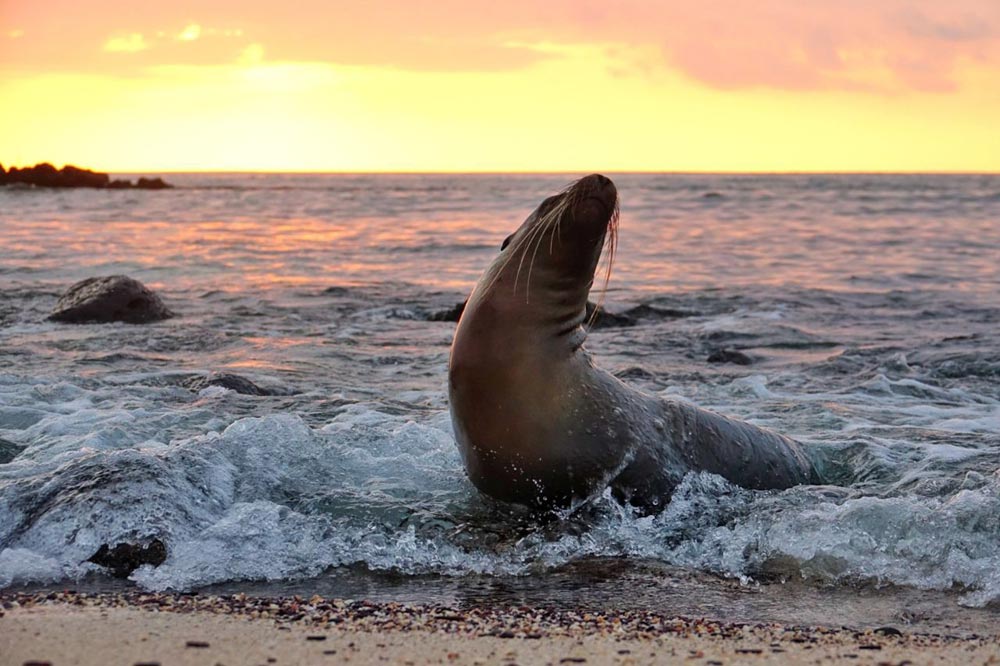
x: 786, y: 44
x: 514, y: 85
x: 132, y: 43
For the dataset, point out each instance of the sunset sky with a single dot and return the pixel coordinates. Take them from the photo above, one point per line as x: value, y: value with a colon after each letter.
x: 501, y: 85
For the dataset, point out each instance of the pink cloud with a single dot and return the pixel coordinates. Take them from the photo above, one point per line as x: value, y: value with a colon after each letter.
x: 783, y: 44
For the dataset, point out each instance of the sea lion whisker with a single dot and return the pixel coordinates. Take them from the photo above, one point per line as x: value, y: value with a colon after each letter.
x: 512, y: 248
x: 610, y: 250
x: 540, y: 227
x: 537, y: 234
x: 546, y: 224
x: 524, y: 246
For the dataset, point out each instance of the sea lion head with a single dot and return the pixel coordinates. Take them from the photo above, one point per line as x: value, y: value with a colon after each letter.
x: 546, y: 268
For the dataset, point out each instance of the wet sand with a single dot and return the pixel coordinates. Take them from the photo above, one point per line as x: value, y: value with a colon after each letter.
x: 69, y: 628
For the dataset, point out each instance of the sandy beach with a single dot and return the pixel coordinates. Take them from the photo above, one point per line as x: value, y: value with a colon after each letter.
x: 69, y: 628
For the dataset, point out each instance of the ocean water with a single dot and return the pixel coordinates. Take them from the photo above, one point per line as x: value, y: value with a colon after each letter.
x: 870, y: 306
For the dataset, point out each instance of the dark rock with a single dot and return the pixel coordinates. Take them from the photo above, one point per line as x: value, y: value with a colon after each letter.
x: 125, y: 558
x: 729, y: 356
x: 597, y: 317
x: 46, y: 175
x: 43, y: 174
x: 711, y: 195
x: 644, y: 311
x: 111, y: 298
x: 71, y: 176
x: 888, y: 631
x: 152, y: 184
x: 8, y: 451
x: 228, y: 381
x: 451, y: 314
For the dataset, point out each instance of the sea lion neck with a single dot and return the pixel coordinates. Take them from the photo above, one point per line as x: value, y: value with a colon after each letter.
x: 537, y: 287
x: 549, y: 323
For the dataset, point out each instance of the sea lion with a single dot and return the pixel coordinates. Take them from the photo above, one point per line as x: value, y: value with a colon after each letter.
x: 537, y: 423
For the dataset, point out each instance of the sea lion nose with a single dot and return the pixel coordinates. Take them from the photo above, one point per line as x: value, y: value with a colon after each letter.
x: 597, y: 180
x: 602, y: 188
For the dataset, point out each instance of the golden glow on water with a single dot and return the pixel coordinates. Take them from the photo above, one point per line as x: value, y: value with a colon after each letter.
x: 569, y: 88
x: 303, y: 234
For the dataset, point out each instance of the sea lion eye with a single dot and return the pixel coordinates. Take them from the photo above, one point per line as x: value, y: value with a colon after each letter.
x: 506, y: 242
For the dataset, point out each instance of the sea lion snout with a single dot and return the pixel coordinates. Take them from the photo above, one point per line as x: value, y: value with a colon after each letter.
x: 596, y: 180
x: 601, y: 187
x: 599, y: 192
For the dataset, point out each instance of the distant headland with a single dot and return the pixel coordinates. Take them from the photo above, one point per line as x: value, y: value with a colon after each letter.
x: 46, y: 175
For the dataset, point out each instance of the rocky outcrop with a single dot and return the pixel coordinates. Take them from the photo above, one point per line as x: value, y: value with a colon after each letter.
x: 152, y: 184
x: 141, y: 184
x: 46, y: 175
x: 107, y: 299
x: 228, y: 381
x: 125, y: 558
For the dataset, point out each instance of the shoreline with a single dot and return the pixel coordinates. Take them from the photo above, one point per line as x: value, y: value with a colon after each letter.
x: 147, y: 628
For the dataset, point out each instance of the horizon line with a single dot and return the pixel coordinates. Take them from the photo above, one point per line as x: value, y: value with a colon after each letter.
x: 550, y: 172
x: 529, y: 172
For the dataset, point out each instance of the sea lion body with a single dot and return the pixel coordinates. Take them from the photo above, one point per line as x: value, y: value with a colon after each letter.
x: 537, y: 423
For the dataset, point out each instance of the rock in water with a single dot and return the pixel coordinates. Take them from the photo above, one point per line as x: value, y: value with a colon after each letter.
x: 111, y: 298
x: 152, y: 184
x: 451, y: 314
x: 46, y: 175
x: 729, y: 356
x: 8, y: 451
x: 226, y: 380
x: 71, y: 176
x: 125, y: 558
x: 597, y: 317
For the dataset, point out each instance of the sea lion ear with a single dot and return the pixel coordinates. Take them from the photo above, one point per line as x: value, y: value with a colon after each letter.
x: 506, y: 242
